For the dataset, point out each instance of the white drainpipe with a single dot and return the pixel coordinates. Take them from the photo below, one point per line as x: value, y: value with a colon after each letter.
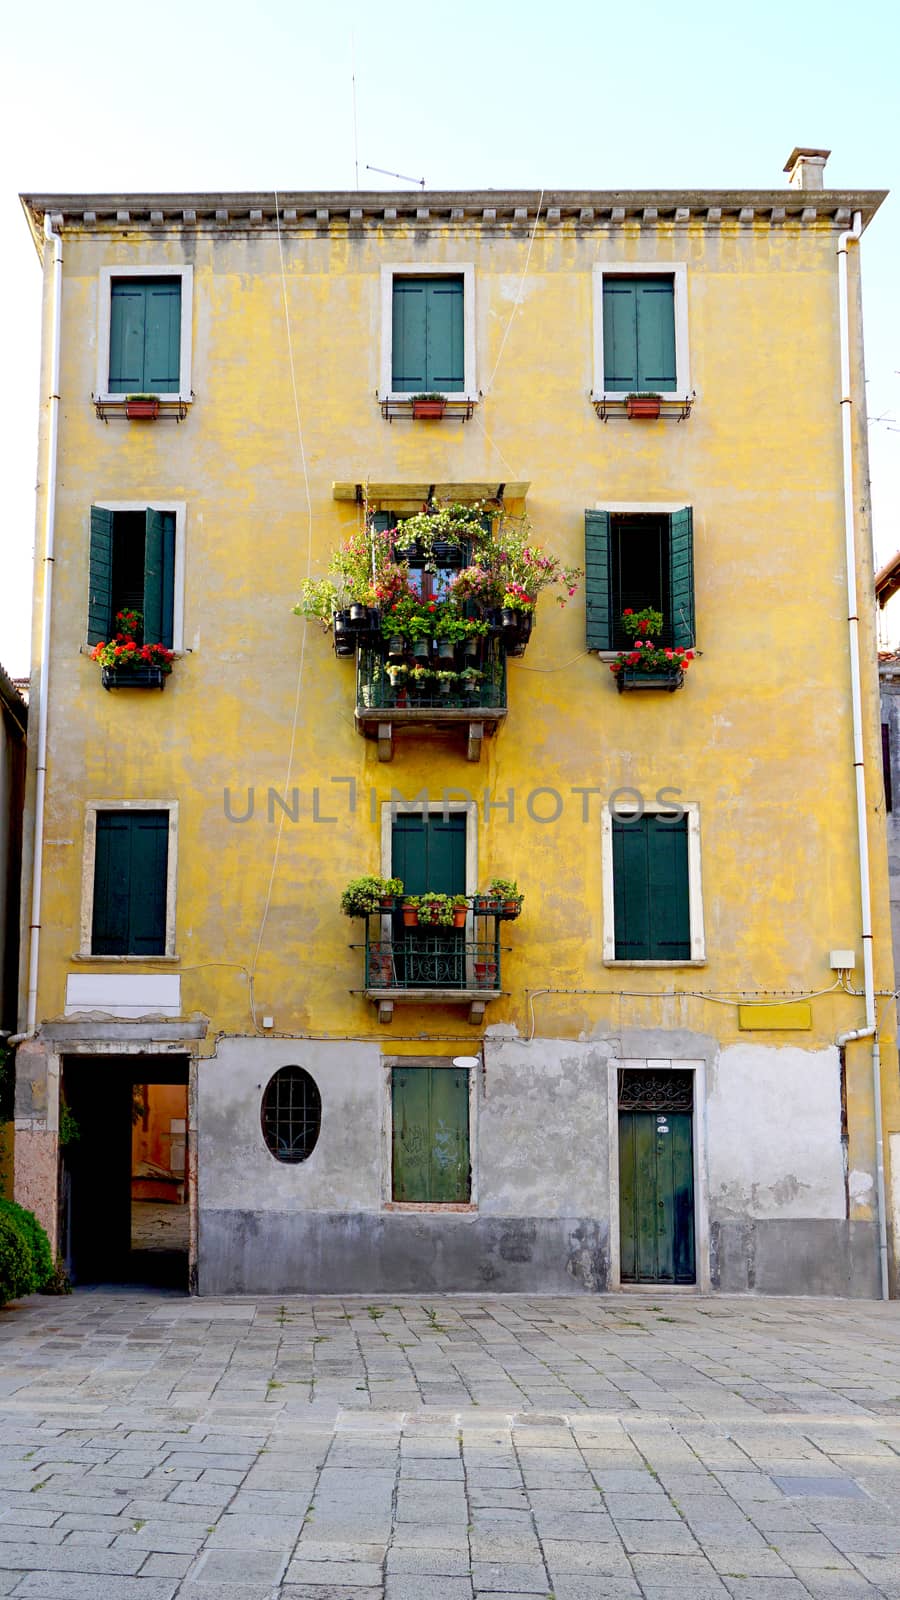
x: 49, y: 545
x: 871, y: 1028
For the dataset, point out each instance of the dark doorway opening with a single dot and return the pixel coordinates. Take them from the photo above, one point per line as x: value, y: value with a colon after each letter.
x: 126, y: 1179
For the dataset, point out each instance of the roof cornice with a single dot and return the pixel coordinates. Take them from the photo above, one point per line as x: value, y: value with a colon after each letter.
x: 495, y: 210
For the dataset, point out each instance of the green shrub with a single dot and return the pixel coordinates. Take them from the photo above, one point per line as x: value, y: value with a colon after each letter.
x: 15, y: 1259
x: 42, y: 1268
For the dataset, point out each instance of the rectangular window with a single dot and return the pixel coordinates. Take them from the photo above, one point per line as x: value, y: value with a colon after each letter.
x: 132, y: 565
x: 428, y: 331
x: 144, y: 332
x: 634, y: 561
x: 145, y: 335
x: 640, y: 330
x: 652, y: 896
x: 130, y: 883
x: 886, y: 766
x: 430, y: 1120
x: 650, y: 885
x: 427, y: 345
x: 638, y: 334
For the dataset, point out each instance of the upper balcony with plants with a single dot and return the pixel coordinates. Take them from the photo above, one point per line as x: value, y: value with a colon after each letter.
x: 431, y: 608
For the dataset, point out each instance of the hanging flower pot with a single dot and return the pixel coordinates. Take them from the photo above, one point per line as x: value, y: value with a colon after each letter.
x: 421, y: 649
x: 359, y: 617
x: 144, y: 409
x: 459, y: 916
x: 446, y: 649
x: 485, y: 974
x: 410, y: 915
x: 429, y: 409
x: 396, y: 646
x: 470, y: 648
x: 485, y: 905
x: 643, y: 405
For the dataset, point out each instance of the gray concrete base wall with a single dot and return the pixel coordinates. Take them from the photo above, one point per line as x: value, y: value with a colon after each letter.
x: 277, y: 1252
x: 801, y: 1255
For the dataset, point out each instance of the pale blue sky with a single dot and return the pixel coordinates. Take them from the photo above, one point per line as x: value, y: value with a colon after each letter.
x: 102, y: 97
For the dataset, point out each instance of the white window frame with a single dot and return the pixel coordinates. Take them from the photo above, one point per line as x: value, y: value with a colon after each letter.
x: 88, y: 866
x: 702, y: 1284
x: 634, y: 269
x: 695, y: 886
x: 442, y: 1208
x: 107, y: 274
x: 179, y: 507
x: 431, y: 269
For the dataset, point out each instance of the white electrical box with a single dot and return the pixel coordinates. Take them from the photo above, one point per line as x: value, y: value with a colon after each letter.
x: 268, y: 1022
x: 843, y: 960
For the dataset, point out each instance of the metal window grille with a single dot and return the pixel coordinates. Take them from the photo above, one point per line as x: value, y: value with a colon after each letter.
x: 655, y: 1091
x: 291, y: 1114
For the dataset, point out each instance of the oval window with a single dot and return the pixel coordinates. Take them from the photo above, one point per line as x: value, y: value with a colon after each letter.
x: 291, y: 1114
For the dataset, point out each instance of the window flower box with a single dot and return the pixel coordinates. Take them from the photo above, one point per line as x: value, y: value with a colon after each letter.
x: 141, y: 407
x: 633, y: 678
x: 647, y: 406
x: 134, y: 677
x: 428, y: 407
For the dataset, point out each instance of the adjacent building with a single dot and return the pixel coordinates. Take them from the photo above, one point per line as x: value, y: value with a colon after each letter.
x: 677, y: 1065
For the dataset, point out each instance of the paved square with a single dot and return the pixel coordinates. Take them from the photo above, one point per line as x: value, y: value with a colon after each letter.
x: 647, y: 1445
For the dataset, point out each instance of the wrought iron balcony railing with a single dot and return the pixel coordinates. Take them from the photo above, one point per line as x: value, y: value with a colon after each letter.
x: 429, y: 690
x: 426, y: 966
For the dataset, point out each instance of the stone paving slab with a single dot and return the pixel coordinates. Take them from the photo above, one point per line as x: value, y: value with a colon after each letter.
x: 468, y: 1448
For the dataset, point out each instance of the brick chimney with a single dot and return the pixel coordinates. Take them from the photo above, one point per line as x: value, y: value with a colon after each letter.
x: 806, y: 168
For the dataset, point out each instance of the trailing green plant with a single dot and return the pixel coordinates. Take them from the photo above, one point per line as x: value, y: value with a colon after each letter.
x: 15, y: 1260
x: 363, y: 896
x: 505, y: 889
x: 69, y: 1131
x: 319, y: 600
x: 39, y: 1245
x: 427, y: 399
x: 450, y: 625
x: 638, y: 624
x: 436, y: 910
x: 460, y: 900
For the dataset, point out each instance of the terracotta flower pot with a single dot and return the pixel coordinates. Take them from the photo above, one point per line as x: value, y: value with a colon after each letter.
x: 410, y: 916
x: 428, y: 410
x: 459, y: 916
x: 142, y: 410
x: 648, y: 408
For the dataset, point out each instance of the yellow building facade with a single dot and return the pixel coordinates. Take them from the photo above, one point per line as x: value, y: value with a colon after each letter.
x: 620, y: 1109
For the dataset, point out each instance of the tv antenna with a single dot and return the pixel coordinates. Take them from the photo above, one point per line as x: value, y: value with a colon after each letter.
x: 401, y: 175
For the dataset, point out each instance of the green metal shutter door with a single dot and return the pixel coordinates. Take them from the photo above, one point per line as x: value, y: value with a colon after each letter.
x: 159, y: 577
x: 127, y: 324
x: 162, y: 337
x: 409, y: 859
x: 681, y: 569
x: 147, y: 901
x: 408, y: 336
x: 100, y: 618
x: 655, y: 333
x: 112, y: 884
x: 444, y: 333
x: 449, y: 1134
x: 620, y: 344
x: 382, y: 520
x: 597, y: 580
x: 631, y: 890
x: 411, y: 1135
x: 670, y: 917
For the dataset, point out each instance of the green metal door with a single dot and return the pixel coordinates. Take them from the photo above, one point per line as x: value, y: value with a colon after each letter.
x: 656, y: 1179
x: 430, y: 1134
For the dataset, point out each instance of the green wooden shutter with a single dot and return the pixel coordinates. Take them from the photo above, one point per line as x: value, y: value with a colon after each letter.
x: 129, y: 914
x: 651, y: 890
x: 100, y: 616
x: 620, y: 343
x: 681, y: 576
x: 409, y: 335
x: 631, y: 890
x: 669, y: 900
x: 444, y: 335
x: 145, y: 336
x: 127, y: 321
x: 597, y: 580
x: 430, y: 1134
x: 162, y: 336
x: 159, y: 577
x: 429, y: 853
x: 382, y: 520
x: 655, y: 300
x: 147, y: 901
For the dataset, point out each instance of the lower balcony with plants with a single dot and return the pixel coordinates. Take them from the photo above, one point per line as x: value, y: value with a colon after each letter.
x: 430, y: 949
